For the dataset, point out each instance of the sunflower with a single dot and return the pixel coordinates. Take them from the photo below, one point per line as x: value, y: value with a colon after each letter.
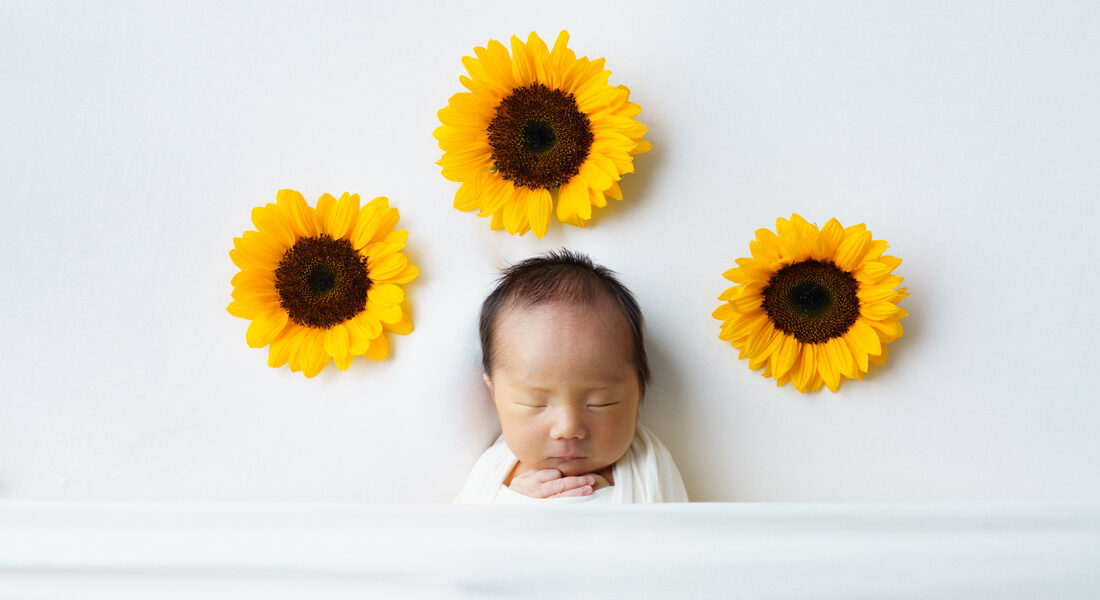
x: 537, y: 128
x: 321, y: 283
x: 813, y: 305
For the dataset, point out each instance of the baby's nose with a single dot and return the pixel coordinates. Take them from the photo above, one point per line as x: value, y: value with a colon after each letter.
x: 568, y: 424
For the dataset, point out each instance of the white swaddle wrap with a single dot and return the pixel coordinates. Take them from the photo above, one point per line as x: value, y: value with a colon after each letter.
x: 645, y: 474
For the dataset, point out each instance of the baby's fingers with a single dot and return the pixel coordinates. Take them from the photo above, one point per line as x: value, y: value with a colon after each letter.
x: 565, y: 485
x: 581, y: 491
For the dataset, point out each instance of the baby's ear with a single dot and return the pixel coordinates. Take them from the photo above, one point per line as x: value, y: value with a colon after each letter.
x: 488, y: 382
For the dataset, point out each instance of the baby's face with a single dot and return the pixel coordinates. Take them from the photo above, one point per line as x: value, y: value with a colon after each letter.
x: 564, y: 385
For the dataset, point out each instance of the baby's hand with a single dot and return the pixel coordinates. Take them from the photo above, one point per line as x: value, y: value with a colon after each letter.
x: 549, y: 483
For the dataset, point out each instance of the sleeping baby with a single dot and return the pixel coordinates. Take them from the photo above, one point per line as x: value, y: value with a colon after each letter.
x: 564, y: 361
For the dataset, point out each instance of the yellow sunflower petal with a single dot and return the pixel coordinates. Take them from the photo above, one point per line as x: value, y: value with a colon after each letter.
x: 539, y: 207
x: 404, y: 276
x: 325, y: 204
x: 386, y: 294
x: 859, y: 355
x: 279, y: 352
x: 269, y: 220
x: 243, y: 309
x: 879, y: 359
x: 262, y: 293
x: 501, y: 65
x: 314, y: 355
x: 515, y: 215
x: 540, y: 58
x: 458, y: 163
x: 842, y: 357
x: 595, y: 175
x: 343, y: 362
x: 402, y: 327
x: 299, y: 213
x: 851, y: 250
x: 392, y: 243
x: 372, y: 218
x: 737, y: 329
x: 614, y: 191
x: 724, y: 312
x: 864, y: 336
x: 872, y: 271
x: 879, y: 310
x: 872, y: 294
x: 379, y: 348
x: 341, y: 219
x: 265, y: 327
x: 386, y: 266
x: 256, y: 250
x: 746, y: 340
x: 889, y: 329
x: 765, y: 249
x: 803, y: 227
x: 827, y: 241
x: 747, y: 302
x: 253, y: 281
x: 362, y: 328
x: 765, y: 345
x: 596, y: 198
x: 336, y: 341
x: 786, y: 356
x: 302, y: 341
x: 494, y: 192
x: 385, y: 314
x: 467, y: 197
x: 561, y: 56
x: 575, y: 194
x: 523, y: 68
x: 826, y: 367
x: 803, y: 372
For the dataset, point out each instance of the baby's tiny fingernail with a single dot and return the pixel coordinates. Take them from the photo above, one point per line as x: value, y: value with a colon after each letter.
x: 590, y: 479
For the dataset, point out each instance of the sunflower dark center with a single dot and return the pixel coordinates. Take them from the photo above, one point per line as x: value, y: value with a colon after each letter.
x: 813, y: 301
x: 810, y: 299
x: 539, y: 137
x: 321, y: 279
x: 322, y: 282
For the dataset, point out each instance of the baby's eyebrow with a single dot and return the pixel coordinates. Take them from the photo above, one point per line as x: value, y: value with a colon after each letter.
x: 596, y: 387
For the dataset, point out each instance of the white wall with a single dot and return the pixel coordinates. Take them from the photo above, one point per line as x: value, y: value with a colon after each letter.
x: 136, y: 139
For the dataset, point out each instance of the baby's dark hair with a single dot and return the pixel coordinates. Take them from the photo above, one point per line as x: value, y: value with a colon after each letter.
x: 565, y: 276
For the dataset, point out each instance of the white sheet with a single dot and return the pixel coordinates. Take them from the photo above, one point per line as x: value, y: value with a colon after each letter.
x: 760, y: 551
x: 647, y: 473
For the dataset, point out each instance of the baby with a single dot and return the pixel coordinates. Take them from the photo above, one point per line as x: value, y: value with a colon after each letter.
x: 565, y: 364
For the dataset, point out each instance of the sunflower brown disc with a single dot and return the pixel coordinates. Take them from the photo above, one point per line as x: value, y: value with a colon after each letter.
x: 812, y: 300
x: 322, y: 282
x: 539, y: 137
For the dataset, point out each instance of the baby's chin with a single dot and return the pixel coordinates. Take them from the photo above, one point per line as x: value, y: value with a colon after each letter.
x: 569, y: 468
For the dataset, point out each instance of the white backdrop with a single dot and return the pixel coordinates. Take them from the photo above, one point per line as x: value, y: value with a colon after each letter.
x: 137, y: 138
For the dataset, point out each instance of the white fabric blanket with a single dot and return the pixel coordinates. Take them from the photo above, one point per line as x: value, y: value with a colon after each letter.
x: 645, y: 474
